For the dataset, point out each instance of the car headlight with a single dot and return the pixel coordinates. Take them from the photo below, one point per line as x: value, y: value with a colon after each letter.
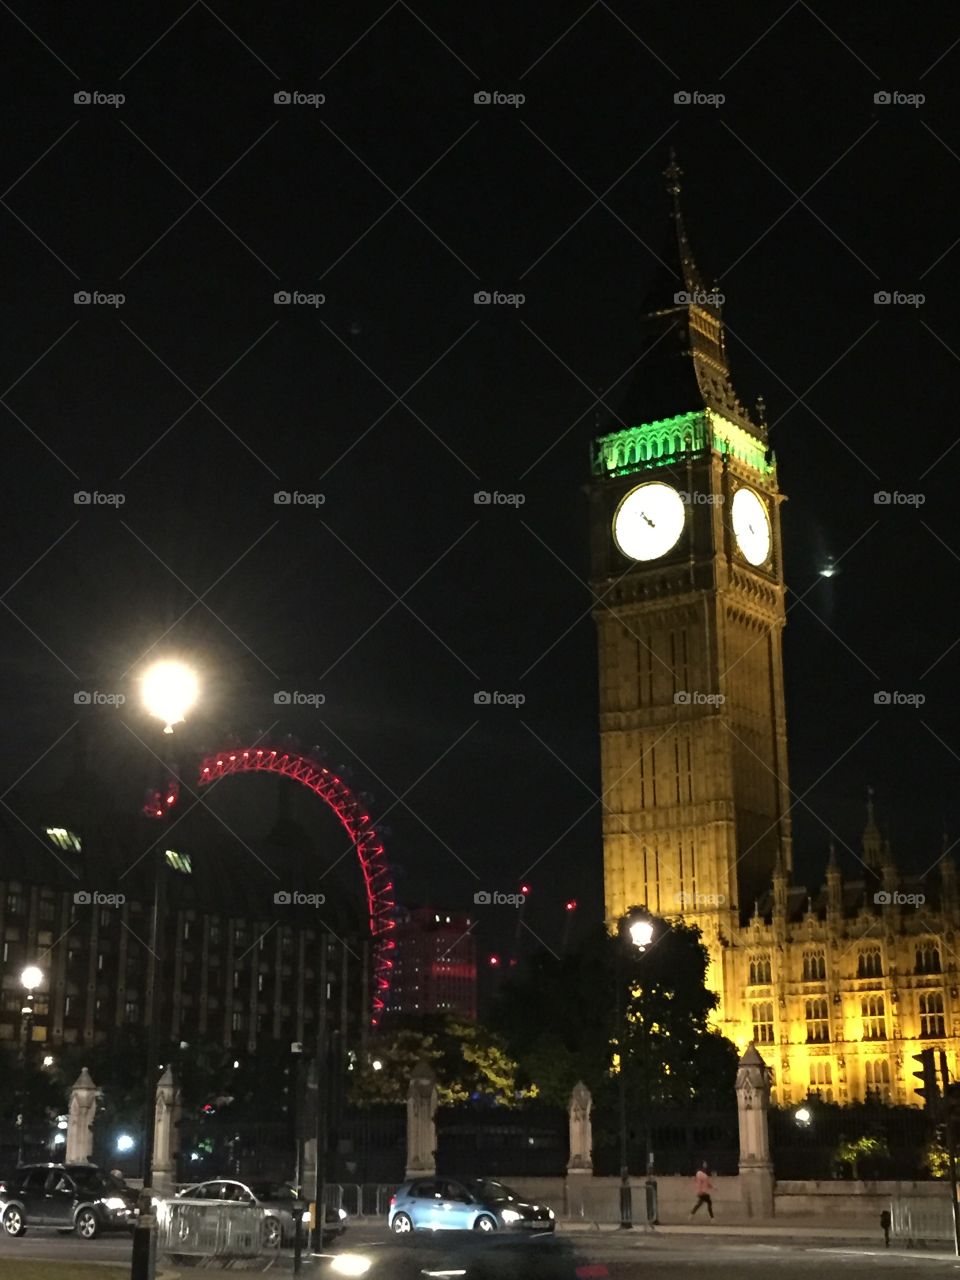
x: 510, y: 1215
x: 350, y: 1264
x: 114, y: 1202
x: 341, y: 1213
x: 551, y: 1214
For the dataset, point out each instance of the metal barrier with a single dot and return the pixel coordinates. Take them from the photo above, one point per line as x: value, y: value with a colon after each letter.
x: 919, y: 1221
x: 214, y: 1232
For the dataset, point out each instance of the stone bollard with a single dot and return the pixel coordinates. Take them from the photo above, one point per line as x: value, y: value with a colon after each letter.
x: 82, y: 1112
x: 756, y: 1166
x: 421, y: 1122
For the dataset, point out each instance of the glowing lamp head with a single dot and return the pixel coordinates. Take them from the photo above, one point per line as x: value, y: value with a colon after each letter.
x: 169, y: 690
x: 377, y: 1064
x: 125, y: 1142
x: 31, y: 977
x: 640, y: 933
x: 802, y: 1116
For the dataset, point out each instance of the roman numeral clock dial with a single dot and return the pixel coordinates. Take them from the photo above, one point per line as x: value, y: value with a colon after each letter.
x: 649, y: 521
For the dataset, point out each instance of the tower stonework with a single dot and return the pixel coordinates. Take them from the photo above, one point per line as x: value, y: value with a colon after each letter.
x: 838, y: 988
x: 687, y: 571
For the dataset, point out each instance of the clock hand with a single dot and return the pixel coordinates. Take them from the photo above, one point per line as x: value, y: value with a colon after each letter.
x: 648, y: 520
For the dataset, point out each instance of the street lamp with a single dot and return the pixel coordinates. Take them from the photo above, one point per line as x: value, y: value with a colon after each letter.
x: 637, y: 931
x: 169, y: 689
x: 30, y: 978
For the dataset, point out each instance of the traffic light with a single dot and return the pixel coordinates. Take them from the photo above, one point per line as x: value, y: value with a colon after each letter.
x: 930, y: 1089
x: 952, y: 1102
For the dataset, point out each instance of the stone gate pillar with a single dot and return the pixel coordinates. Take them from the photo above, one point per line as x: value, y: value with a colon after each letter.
x: 82, y: 1111
x: 581, y: 1130
x: 421, y: 1122
x: 756, y: 1165
x: 165, y: 1132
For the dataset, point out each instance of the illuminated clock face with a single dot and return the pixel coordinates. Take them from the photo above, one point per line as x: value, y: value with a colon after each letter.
x: 649, y: 521
x: 751, y: 526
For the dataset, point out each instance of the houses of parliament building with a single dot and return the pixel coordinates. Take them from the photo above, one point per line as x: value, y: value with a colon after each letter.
x: 838, y: 986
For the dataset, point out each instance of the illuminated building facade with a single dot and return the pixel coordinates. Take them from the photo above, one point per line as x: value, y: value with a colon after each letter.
x: 838, y: 988
x: 435, y: 964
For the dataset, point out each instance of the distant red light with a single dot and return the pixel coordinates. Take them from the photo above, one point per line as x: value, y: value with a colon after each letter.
x: 494, y: 960
x: 524, y: 888
x: 571, y: 905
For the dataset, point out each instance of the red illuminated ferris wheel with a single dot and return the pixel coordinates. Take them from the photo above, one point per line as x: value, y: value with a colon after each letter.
x: 335, y: 793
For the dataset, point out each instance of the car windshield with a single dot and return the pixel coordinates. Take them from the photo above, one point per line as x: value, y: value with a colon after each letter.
x: 486, y: 1189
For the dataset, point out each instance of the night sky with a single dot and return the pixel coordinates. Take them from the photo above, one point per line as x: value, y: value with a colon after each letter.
x: 398, y: 398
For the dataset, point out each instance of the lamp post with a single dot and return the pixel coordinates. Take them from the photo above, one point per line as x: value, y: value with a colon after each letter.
x: 30, y: 979
x: 637, y: 931
x: 169, y: 689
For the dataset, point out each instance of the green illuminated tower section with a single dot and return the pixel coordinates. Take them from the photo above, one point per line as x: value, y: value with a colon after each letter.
x: 687, y: 571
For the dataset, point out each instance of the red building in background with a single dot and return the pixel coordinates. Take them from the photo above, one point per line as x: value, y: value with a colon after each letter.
x: 435, y: 964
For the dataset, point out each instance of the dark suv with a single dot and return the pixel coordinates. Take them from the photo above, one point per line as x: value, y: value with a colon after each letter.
x: 73, y: 1197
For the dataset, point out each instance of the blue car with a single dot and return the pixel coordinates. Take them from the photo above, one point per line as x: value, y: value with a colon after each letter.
x: 476, y: 1204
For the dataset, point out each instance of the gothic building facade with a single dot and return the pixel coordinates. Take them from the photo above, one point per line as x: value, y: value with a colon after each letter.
x: 840, y: 987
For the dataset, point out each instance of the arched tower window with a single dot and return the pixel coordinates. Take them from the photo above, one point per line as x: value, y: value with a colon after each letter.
x: 876, y: 1077
x: 759, y: 971
x: 818, y: 1021
x: 763, y: 1023
x: 874, y: 1018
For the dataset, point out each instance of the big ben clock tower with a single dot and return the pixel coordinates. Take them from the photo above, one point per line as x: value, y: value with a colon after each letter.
x: 688, y: 577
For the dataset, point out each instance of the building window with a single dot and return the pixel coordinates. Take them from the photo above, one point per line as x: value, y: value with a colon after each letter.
x: 820, y: 1079
x: 237, y: 1022
x: 818, y: 1022
x: 876, y: 1076
x: 814, y: 966
x: 763, y: 1023
x: 48, y: 910
x: 16, y: 904
x: 928, y: 958
x: 874, y: 1019
x: 869, y: 964
x: 131, y: 1011
x: 759, y: 971
x: 931, y: 1014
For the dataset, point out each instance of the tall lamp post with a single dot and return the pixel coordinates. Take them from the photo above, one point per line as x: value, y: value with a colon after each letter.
x: 169, y: 689
x: 30, y: 979
x: 636, y: 930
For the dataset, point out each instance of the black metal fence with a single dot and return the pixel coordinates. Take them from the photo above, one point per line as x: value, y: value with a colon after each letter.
x: 677, y: 1140
x: 823, y: 1140
x: 476, y: 1141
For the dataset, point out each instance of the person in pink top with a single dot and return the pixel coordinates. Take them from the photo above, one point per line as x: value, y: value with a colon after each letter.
x: 703, y: 1186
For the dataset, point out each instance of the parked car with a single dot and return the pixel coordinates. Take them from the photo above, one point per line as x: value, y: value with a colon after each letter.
x: 279, y: 1201
x: 72, y: 1197
x: 475, y: 1204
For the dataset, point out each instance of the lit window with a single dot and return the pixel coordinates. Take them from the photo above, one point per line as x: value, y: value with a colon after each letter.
x: 63, y: 839
x: 759, y: 971
x: 820, y: 1080
x: 931, y: 1014
x: 818, y: 1021
x: 874, y: 1018
x: 763, y: 1023
x: 928, y: 958
x: 179, y: 861
x: 876, y: 1077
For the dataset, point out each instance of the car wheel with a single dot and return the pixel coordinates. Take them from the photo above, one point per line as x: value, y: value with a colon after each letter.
x: 271, y: 1233
x: 485, y: 1223
x: 86, y: 1224
x: 402, y: 1224
x: 13, y: 1222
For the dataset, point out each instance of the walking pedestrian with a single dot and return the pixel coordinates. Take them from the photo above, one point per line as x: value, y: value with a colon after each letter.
x: 703, y: 1186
